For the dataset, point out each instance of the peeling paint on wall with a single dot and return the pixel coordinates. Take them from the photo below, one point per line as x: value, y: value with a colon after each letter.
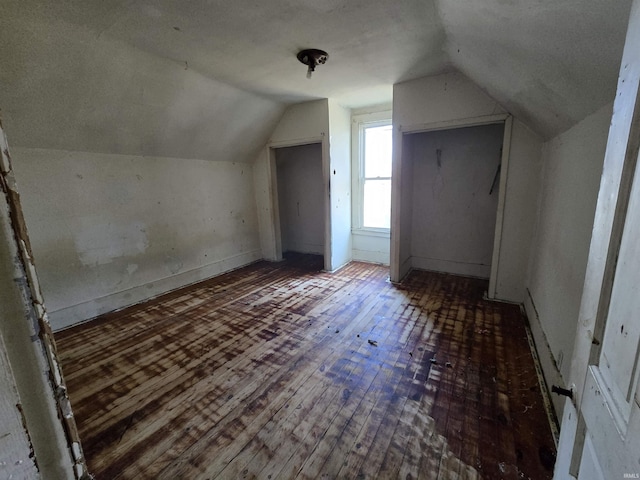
x: 86, y: 238
x: 26, y: 271
x: 99, y: 243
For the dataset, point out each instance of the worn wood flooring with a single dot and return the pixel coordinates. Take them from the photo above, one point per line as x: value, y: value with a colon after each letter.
x: 285, y: 371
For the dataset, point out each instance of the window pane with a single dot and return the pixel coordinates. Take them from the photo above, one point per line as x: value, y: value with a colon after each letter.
x: 377, y: 203
x: 377, y: 151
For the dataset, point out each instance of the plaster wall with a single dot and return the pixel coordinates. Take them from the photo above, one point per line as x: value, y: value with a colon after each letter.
x: 454, y: 213
x: 303, y: 121
x: 402, y: 207
x: 103, y: 125
x: 301, y: 198
x: 428, y: 102
x: 264, y: 191
x: 519, y: 214
x: 340, y: 183
x: 448, y: 100
x: 572, y: 166
x: 112, y: 230
x: 300, y: 124
x: 440, y: 98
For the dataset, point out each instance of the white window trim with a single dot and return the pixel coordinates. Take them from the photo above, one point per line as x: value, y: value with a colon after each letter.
x: 358, y: 124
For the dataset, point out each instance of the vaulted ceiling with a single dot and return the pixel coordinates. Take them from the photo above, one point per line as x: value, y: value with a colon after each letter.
x: 172, y: 78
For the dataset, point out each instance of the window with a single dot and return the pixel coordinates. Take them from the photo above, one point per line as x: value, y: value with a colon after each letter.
x: 376, y: 178
x: 372, y: 139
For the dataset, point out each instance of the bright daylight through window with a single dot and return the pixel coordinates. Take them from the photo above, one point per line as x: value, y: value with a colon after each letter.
x: 376, y: 177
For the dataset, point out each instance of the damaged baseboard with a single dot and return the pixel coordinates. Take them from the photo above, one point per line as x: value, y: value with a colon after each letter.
x: 548, y: 373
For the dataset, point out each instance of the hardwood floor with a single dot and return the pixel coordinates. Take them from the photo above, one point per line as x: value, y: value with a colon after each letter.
x: 285, y: 371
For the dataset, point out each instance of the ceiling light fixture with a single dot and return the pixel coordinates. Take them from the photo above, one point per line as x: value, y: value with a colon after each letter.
x: 312, y: 57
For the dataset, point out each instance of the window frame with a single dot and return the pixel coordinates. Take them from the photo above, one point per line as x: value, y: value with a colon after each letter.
x: 359, y: 124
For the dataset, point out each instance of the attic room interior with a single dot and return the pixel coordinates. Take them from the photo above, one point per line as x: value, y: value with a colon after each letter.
x: 417, y: 259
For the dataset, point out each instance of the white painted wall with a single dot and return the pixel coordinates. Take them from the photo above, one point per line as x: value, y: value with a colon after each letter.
x: 301, y: 198
x: 401, y: 208
x: 370, y: 247
x: 424, y: 102
x: 340, y: 183
x: 454, y: 215
x: 300, y: 124
x: 572, y: 166
x: 440, y: 98
x: 303, y: 124
x: 264, y: 190
x: 448, y: 100
x: 67, y: 90
x: 518, y: 218
x: 112, y: 230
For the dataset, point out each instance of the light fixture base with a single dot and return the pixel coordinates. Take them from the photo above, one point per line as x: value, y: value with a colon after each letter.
x: 312, y: 57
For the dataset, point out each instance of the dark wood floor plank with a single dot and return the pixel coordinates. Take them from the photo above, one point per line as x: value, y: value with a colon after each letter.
x: 357, y: 437
x: 325, y: 331
x: 336, y: 442
x: 246, y: 362
x: 363, y: 443
x: 125, y: 324
x: 267, y: 372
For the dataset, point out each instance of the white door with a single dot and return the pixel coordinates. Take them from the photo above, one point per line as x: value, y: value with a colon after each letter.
x: 610, y: 399
x: 600, y: 434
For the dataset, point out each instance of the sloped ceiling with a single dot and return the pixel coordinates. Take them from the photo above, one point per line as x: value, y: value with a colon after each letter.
x: 550, y: 63
x: 210, y: 78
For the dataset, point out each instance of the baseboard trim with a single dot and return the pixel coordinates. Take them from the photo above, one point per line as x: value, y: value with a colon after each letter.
x: 551, y: 374
x: 371, y: 256
x: 76, y: 314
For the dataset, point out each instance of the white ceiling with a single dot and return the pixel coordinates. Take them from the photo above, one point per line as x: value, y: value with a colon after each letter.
x: 549, y: 62
x: 553, y: 62
x: 253, y: 44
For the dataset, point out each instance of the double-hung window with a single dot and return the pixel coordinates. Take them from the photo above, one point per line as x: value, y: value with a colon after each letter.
x: 373, y: 151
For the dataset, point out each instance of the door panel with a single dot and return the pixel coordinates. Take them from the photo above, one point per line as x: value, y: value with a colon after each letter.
x: 619, y: 357
x: 589, y: 467
x: 608, y: 406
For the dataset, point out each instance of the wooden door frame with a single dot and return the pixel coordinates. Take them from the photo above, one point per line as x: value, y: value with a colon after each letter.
x: 601, y: 272
x: 35, y: 315
x: 589, y: 422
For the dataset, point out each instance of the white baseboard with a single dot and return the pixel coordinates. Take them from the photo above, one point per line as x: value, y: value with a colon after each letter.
x: 82, y: 312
